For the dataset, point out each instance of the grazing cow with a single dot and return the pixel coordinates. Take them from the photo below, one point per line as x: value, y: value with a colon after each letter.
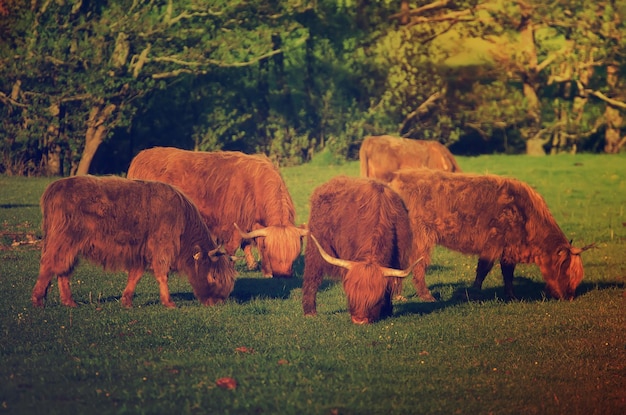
x: 128, y: 225
x: 381, y: 155
x: 492, y: 217
x: 229, y: 188
x: 365, y: 224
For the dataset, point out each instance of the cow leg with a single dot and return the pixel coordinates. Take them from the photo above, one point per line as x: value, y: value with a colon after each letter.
x: 508, y: 271
x: 64, y: 290
x: 482, y: 269
x: 134, y: 275
x: 164, y: 290
x: 387, y: 307
x: 310, y: 285
x: 250, y: 260
x: 40, y: 291
x: 419, y: 281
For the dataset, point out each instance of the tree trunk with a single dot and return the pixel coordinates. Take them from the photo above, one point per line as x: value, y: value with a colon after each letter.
x: 614, y: 120
x: 96, y: 132
x: 529, y: 76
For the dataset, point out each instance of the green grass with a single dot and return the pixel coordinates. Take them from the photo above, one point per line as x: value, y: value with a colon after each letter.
x: 534, y: 356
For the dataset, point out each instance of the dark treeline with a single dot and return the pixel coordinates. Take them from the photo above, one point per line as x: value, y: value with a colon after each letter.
x: 86, y: 84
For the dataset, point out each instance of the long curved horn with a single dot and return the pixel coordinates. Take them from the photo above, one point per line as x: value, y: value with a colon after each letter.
x: 578, y: 251
x: 344, y: 263
x: 400, y: 273
x: 253, y: 234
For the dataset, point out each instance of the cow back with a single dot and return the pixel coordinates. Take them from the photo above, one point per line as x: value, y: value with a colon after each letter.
x: 361, y: 220
x: 380, y: 156
x: 477, y: 214
x: 227, y: 187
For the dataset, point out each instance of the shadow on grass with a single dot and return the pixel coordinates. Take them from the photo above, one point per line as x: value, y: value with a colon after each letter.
x: 525, y: 289
x: 249, y: 288
x: 17, y: 205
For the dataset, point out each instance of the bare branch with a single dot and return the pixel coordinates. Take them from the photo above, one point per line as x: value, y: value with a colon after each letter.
x: 7, y: 100
x: 424, y: 108
x: 612, y: 102
x: 172, y: 74
x: 553, y: 56
x: 212, y: 62
x: 440, y: 4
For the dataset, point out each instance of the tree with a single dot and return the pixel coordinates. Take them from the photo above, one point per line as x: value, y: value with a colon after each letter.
x: 520, y: 48
x: 80, y: 66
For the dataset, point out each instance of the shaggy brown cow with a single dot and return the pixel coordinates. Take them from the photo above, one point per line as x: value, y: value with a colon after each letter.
x: 492, y: 217
x: 381, y: 155
x: 128, y: 225
x: 364, y: 223
x: 229, y: 188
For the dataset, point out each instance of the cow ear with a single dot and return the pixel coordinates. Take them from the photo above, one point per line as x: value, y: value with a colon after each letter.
x: 197, y: 253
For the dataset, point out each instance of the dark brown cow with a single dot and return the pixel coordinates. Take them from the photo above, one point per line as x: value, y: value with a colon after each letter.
x: 365, y: 224
x: 381, y: 155
x: 229, y: 188
x: 493, y: 217
x: 128, y: 225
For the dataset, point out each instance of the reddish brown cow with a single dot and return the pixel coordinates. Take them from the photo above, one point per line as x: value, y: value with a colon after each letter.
x: 381, y: 155
x: 229, y: 188
x: 365, y: 224
x: 128, y: 225
x: 492, y: 217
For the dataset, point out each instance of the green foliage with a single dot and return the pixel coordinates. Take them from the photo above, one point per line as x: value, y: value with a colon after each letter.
x: 529, y: 356
x: 289, y: 78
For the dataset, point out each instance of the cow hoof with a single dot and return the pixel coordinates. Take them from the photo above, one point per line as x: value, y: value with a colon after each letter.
x: 70, y: 304
x: 427, y: 298
x: 360, y: 321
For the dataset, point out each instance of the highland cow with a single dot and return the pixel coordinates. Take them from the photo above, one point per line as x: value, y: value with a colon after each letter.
x: 381, y: 155
x: 241, y: 197
x: 365, y: 226
x: 493, y: 217
x: 128, y: 225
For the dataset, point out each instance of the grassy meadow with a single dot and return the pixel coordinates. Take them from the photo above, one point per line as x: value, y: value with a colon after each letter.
x: 532, y: 356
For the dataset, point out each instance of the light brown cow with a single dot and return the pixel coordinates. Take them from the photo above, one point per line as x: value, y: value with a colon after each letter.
x: 493, y: 217
x: 128, y: 225
x: 381, y: 155
x: 365, y: 226
x: 233, y: 191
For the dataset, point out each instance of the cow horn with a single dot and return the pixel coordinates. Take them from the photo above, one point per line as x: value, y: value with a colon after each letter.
x: 253, y: 234
x: 578, y: 251
x: 344, y: 263
x: 399, y: 273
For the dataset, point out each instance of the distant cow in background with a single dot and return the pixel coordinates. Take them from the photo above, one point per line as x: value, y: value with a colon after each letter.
x: 364, y: 238
x: 128, y: 225
x: 493, y: 217
x: 381, y: 155
x: 241, y: 198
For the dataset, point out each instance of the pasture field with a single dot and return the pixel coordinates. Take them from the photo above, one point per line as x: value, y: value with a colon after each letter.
x: 532, y: 356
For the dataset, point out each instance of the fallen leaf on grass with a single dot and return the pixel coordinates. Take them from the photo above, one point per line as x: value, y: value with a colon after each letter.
x: 507, y: 340
x: 226, y: 383
x: 244, y: 349
x: 283, y: 362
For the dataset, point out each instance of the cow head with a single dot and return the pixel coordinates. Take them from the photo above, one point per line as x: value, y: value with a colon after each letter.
x: 279, y: 247
x: 367, y: 286
x: 214, y: 277
x: 563, y: 271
